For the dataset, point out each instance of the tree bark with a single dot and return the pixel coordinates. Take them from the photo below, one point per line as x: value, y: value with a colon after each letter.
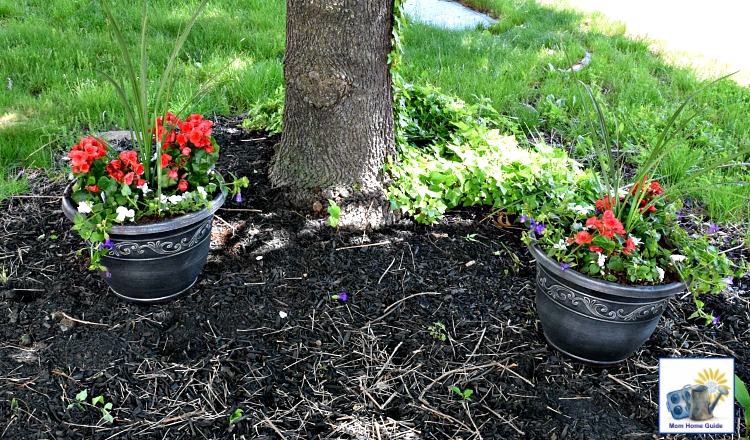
x: 338, y: 114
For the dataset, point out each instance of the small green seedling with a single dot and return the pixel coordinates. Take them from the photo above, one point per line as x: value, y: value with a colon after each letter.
x: 14, y: 406
x: 80, y: 400
x: 105, y: 407
x: 437, y: 331
x: 743, y: 398
x: 465, y: 394
x: 334, y: 211
x: 236, y: 415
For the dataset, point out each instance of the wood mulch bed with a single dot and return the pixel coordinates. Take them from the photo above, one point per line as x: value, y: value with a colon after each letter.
x: 260, y: 333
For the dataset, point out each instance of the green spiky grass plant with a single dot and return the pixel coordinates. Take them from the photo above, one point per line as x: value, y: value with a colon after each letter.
x: 141, y: 111
x: 743, y: 398
x: 664, y: 144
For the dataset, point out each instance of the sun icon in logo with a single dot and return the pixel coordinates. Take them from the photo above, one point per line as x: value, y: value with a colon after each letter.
x: 714, y: 380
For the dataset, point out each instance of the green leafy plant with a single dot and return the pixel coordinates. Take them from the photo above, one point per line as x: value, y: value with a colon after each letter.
x: 334, y: 211
x: 235, y: 187
x: 81, y: 403
x: 743, y: 398
x: 479, y: 167
x: 464, y: 394
x: 267, y: 114
x: 471, y: 237
x: 236, y: 415
x: 437, y: 331
x: 453, y: 154
x: 629, y: 231
x: 14, y: 406
x: 424, y: 115
x: 170, y: 169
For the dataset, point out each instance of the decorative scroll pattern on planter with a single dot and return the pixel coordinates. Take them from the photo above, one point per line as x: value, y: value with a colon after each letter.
x: 126, y: 248
x: 598, y: 308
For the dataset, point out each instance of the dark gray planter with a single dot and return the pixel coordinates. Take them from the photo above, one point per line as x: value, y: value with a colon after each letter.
x: 157, y: 262
x: 593, y: 320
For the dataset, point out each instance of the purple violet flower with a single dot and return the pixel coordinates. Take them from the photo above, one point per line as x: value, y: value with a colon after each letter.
x: 238, y: 198
x: 107, y: 274
x: 679, y: 214
x: 341, y: 297
x: 538, y: 228
x: 715, y: 321
x: 564, y: 266
x: 107, y: 244
x: 728, y: 280
x: 712, y: 228
x: 523, y: 219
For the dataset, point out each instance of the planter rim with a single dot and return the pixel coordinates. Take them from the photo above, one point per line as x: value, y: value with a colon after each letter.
x: 167, y: 224
x: 640, y: 292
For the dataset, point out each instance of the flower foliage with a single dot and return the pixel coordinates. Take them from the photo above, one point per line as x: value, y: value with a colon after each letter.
x: 109, y: 185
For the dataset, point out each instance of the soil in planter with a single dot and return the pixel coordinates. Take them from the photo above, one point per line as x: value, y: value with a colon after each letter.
x: 260, y: 333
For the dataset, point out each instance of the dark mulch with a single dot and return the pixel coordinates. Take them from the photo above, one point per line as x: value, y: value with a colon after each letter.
x: 368, y: 368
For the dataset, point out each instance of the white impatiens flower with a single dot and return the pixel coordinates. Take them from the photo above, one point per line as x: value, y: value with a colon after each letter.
x: 581, y: 210
x: 175, y: 199
x: 601, y: 260
x: 202, y: 192
x: 678, y: 258
x: 85, y: 207
x: 661, y: 273
x: 636, y: 241
x: 561, y: 245
x: 145, y: 188
x: 123, y: 213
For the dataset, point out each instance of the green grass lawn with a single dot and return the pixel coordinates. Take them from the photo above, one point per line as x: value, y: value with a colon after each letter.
x: 51, y: 91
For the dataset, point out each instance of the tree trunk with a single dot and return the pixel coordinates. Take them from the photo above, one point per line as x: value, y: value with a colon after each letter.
x: 338, y: 114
